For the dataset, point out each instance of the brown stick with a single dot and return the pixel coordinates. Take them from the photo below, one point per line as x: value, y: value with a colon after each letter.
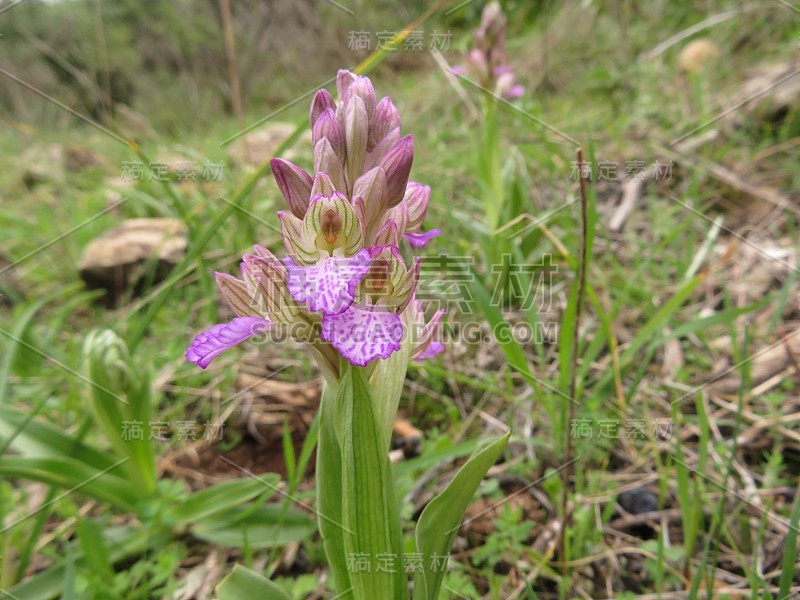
x: 230, y: 49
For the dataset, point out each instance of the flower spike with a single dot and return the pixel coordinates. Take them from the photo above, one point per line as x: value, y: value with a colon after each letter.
x: 342, y: 278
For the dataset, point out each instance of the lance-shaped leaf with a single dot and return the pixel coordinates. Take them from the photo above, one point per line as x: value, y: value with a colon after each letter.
x: 329, y: 492
x: 244, y: 584
x: 294, y: 183
x: 369, y: 506
x: 439, y: 522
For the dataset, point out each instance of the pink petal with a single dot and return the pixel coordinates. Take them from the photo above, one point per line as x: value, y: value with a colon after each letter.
x: 420, y: 240
x: 427, y: 345
x: 214, y: 341
x: 515, y: 91
x: 329, y: 285
x: 363, y: 333
x: 432, y: 350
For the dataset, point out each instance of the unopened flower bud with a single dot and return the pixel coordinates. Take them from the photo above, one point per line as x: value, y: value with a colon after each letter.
x: 356, y: 124
x: 397, y: 164
x: 416, y: 200
x: 294, y: 183
x: 322, y: 102
x: 328, y: 127
x: 385, y: 118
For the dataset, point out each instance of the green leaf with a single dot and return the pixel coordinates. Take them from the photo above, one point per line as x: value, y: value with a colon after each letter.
x: 223, y: 497
x: 75, y: 477
x: 21, y: 323
x: 289, y: 457
x: 122, y: 542
x: 432, y: 458
x: 244, y: 584
x: 95, y: 551
x: 369, y: 507
x: 438, y: 524
x: 329, y: 493
x: 36, y: 439
x: 265, y: 527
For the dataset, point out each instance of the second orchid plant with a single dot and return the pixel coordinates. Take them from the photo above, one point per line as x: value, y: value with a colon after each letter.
x: 344, y: 288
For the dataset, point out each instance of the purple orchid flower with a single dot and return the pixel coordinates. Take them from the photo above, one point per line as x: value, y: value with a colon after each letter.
x: 343, y: 286
x: 486, y: 63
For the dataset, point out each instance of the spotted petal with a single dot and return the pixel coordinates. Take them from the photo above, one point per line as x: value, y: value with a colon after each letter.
x: 330, y: 284
x: 214, y: 341
x: 420, y: 240
x: 363, y: 333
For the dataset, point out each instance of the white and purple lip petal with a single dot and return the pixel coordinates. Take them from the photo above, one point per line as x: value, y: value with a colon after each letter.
x: 363, y: 333
x: 209, y: 344
x: 420, y: 240
x: 329, y: 285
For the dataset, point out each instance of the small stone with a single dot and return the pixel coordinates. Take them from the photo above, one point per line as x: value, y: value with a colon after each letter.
x: 697, y: 54
x: 638, y: 501
x: 131, y: 255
